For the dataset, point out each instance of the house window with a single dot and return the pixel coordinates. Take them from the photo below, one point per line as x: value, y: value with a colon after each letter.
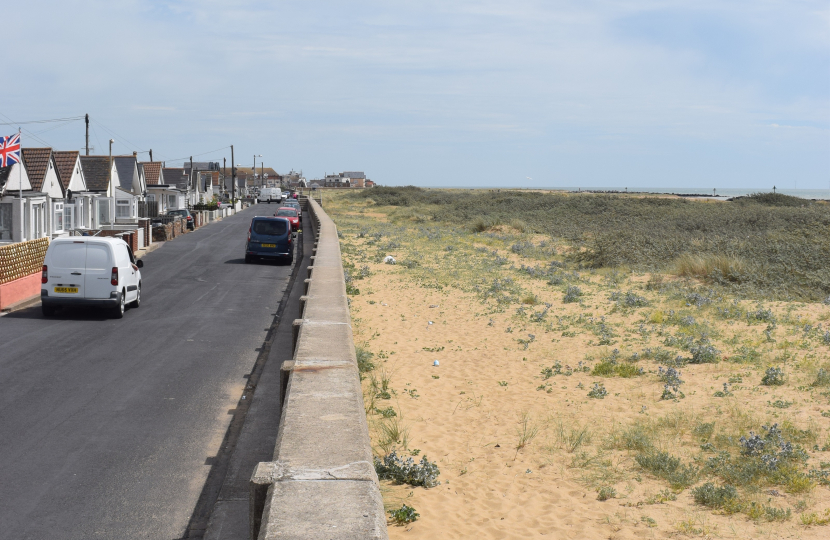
x: 6, y: 221
x: 123, y: 208
x: 171, y: 201
x: 69, y: 217
x: 57, y: 224
x: 103, y: 211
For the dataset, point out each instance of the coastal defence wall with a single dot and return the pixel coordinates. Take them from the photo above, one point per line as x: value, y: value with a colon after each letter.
x: 321, y: 483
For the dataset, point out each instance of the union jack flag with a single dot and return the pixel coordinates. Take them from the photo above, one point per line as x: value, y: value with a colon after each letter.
x: 9, y: 150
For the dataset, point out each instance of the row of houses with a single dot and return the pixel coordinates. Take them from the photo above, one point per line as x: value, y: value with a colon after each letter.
x: 52, y: 193
x: 348, y: 179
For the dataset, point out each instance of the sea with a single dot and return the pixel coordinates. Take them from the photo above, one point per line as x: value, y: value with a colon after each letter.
x: 722, y: 194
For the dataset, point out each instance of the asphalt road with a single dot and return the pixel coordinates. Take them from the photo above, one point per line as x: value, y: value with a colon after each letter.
x: 109, y: 428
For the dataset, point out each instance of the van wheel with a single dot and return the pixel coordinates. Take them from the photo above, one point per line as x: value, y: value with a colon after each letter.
x: 119, y: 311
x: 248, y: 259
x: 137, y: 302
x: 48, y: 311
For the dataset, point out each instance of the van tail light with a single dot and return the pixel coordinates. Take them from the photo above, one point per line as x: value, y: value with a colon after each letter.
x: 114, y: 276
x: 249, y: 234
x: 43, y: 277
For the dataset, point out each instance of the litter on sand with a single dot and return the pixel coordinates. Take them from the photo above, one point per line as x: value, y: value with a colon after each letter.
x: 435, y: 363
x: 389, y: 259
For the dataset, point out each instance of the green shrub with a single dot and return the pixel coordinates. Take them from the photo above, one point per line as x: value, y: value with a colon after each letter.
x: 423, y: 473
x: 773, y: 377
x: 403, y: 515
x: 669, y: 468
x: 715, y: 496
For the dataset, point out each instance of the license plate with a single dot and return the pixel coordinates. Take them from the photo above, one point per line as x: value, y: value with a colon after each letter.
x: 68, y: 290
x: 269, y: 245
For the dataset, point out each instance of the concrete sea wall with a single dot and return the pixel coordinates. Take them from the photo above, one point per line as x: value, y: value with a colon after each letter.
x: 321, y: 483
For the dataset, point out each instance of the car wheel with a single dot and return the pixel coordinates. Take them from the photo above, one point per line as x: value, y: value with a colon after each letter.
x: 48, y: 311
x: 137, y: 302
x: 119, y: 310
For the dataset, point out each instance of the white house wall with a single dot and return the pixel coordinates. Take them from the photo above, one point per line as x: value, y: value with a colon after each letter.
x: 51, y: 184
x: 77, y: 183
x: 12, y: 184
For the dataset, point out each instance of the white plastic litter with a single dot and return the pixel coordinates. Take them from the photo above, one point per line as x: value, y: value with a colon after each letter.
x: 430, y: 322
x: 389, y: 259
x: 435, y: 363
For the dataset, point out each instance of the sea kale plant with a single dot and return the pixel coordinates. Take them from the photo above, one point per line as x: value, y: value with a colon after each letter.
x: 423, y: 473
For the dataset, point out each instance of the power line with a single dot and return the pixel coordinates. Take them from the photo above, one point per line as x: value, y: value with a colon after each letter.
x: 194, y: 155
x: 114, y: 134
x: 27, y: 132
x: 68, y: 119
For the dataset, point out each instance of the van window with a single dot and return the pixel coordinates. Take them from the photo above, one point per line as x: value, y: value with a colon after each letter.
x: 276, y: 227
x: 122, y: 255
x: 97, y: 257
x: 68, y: 256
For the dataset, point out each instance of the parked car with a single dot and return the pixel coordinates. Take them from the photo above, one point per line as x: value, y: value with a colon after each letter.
x: 270, y: 238
x: 295, y: 205
x: 185, y: 214
x: 90, y: 271
x: 291, y: 215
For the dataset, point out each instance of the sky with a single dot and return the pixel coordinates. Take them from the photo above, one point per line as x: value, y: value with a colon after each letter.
x: 626, y: 93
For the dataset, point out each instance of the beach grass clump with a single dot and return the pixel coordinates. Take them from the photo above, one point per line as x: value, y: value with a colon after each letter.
x: 606, y: 492
x: 407, y: 471
x: 667, y: 467
x: 364, y: 359
x: 716, y: 497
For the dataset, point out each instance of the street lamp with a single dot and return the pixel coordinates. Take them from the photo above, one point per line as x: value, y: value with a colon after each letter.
x: 254, y: 169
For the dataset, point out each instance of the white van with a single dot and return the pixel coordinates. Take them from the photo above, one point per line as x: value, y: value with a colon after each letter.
x: 90, y: 271
x: 270, y: 194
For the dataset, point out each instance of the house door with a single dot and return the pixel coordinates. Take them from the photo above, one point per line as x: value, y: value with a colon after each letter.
x: 37, y: 220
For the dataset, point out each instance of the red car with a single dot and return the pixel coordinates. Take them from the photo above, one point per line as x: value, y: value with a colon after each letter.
x: 291, y: 215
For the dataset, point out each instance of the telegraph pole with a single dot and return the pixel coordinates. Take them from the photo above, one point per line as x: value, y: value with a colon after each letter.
x: 225, y: 174
x: 86, y: 118
x: 151, y: 155
x: 233, y: 178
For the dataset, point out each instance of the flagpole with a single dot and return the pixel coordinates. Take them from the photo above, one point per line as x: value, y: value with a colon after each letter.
x: 20, y: 188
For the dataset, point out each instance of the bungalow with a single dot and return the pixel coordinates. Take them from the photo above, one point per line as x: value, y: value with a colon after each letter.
x: 178, y: 181
x: 77, y: 209
x: 131, y: 189
x: 102, y: 179
x: 41, y: 208
x: 167, y: 196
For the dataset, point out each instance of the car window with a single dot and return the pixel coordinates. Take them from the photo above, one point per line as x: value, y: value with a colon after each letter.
x: 68, y: 255
x: 98, y: 257
x: 276, y: 227
x: 287, y: 212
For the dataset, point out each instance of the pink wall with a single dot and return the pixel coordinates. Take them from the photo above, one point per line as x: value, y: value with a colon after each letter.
x: 19, y: 289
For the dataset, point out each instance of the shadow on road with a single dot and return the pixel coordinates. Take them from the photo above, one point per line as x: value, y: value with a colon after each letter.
x: 62, y: 314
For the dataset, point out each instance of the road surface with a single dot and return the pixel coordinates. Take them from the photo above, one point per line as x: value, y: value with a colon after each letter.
x: 110, y: 427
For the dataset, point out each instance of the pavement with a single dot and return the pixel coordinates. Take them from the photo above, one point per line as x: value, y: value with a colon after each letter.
x: 127, y: 428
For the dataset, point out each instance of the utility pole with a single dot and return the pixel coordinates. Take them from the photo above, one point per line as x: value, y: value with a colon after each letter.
x: 191, y: 179
x: 151, y: 155
x: 262, y: 171
x: 225, y: 174
x: 233, y: 178
x: 86, y: 119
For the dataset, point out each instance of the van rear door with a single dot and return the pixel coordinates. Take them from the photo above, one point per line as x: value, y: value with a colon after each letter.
x: 99, y: 264
x: 66, y: 269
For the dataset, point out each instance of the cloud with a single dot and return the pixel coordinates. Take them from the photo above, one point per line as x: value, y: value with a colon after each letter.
x: 469, y: 88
